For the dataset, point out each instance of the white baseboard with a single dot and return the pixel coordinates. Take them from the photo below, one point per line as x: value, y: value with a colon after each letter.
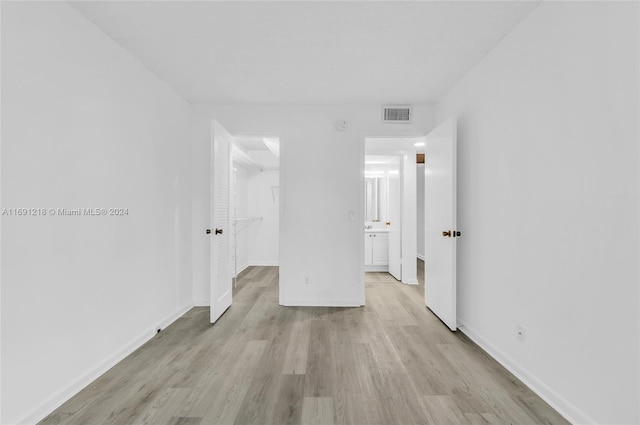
x: 321, y: 303
x: 60, y: 397
x: 411, y: 282
x: 203, y: 302
x: 175, y: 316
x: 555, y: 400
x: 421, y: 257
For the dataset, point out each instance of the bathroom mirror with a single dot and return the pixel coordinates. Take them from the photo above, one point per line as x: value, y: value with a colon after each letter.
x: 376, y: 198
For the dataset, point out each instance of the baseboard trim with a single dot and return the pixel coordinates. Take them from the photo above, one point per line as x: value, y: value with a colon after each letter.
x: 320, y: 303
x: 175, y: 316
x: 420, y: 257
x: 411, y: 282
x: 60, y: 397
x: 567, y: 409
x: 203, y: 302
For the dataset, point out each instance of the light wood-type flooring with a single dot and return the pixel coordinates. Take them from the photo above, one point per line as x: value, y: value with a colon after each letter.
x: 391, y: 362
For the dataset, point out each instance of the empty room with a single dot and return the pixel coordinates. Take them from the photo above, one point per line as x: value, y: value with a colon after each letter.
x: 319, y: 212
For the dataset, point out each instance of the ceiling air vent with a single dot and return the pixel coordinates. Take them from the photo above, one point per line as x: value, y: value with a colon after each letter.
x: 402, y: 114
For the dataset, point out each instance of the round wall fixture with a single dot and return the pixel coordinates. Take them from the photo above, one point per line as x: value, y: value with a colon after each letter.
x: 341, y: 125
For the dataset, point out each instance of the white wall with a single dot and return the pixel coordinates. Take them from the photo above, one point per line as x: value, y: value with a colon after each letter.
x: 420, y: 209
x: 548, y: 206
x: 85, y: 125
x: 264, y: 196
x: 321, y: 182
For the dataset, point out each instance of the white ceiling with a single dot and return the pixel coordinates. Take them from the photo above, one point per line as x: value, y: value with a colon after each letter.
x: 308, y: 52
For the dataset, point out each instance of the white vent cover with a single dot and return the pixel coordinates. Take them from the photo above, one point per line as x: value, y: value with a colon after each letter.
x: 402, y: 114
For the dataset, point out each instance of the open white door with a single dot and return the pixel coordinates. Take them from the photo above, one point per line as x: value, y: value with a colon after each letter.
x: 221, y: 276
x: 440, y: 222
x: 395, y: 218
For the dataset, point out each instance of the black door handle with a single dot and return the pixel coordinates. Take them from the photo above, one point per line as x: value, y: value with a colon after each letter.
x: 218, y: 231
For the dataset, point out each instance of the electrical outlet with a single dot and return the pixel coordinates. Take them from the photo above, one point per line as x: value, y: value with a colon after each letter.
x: 520, y: 332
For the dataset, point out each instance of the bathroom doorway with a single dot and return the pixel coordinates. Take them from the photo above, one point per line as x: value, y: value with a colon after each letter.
x: 383, y: 215
x: 390, y: 198
x: 438, y: 232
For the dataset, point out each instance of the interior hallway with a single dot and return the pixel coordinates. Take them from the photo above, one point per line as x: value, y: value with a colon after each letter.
x: 390, y: 362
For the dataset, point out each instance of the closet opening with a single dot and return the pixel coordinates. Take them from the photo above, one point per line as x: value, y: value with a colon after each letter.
x: 254, y: 208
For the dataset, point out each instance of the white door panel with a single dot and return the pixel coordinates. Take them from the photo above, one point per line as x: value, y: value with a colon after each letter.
x: 440, y: 218
x: 221, y: 275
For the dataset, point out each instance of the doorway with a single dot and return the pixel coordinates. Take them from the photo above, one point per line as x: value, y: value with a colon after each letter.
x: 244, y: 173
x: 440, y: 233
x: 254, y: 198
x: 383, y: 215
x: 390, y: 227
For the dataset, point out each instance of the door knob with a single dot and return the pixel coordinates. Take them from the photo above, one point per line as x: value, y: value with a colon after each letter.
x: 218, y: 231
x: 446, y: 233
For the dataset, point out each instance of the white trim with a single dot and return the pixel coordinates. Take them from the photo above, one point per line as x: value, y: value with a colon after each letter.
x: 56, y: 400
x: 1, y: 226
x: 638, y: 94
x: 175, y: 316
x: 411, y: 282
x: 563, y: 406
x: 320, y: 303
x: 421, y: 257
x: 202, y: 302
x: 264, y: 263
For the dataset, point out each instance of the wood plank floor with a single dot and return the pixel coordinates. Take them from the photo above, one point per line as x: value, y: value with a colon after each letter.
x: 389, y: 363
